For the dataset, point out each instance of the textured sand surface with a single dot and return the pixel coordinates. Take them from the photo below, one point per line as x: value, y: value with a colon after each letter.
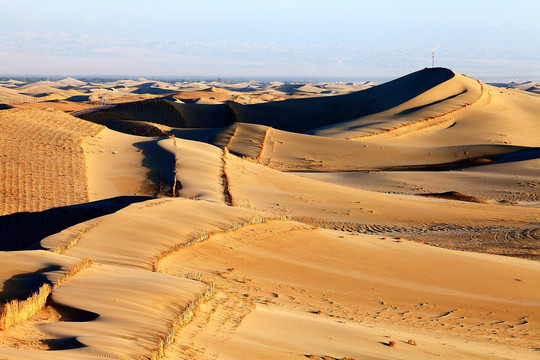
x: 270, y: 220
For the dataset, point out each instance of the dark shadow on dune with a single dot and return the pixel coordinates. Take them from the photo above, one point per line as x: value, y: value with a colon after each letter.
x: 205, y: 135
x: 161, y: 166
x: 370, y: 124
x: 455, y: 195
x: 164, y: 112
x: 68, y: 343
x: 5, y: 106
x: 413, y: 109
x: 78, y: 98
x: 307, y: 114
x: 139, y: 128
x: 520, y: 155
x: 147, y: 88
x: 22, y: 286
x: 22, y: 231
x: 515, y: 156
x: 69, y: 313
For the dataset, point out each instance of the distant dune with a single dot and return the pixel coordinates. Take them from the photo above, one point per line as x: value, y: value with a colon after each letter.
x: 143, y: 219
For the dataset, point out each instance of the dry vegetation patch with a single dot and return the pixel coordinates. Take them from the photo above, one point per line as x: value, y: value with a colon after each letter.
x: 455, y: 195
x: 17, y: 311
x: 43, y: 163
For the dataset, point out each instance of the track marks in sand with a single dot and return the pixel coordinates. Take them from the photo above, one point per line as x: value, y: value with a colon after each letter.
x: 225, y: 179
x: 43, y: 164
x: 499, y: 240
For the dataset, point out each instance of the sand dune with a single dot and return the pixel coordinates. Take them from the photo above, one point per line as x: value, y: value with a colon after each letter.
x: 270, y: 220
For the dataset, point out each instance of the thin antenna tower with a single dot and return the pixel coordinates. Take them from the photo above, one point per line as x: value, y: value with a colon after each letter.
x: 433, y: 59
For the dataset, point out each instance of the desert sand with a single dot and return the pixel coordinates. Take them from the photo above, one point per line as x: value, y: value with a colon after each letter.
x: 142, y: 219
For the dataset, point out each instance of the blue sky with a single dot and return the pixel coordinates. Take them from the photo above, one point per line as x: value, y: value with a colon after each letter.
x: 294, y: 38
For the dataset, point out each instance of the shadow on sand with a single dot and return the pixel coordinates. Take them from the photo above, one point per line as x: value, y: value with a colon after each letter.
x: 24, y: 230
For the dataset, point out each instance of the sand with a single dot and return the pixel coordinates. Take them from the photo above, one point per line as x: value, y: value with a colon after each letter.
x: 271, y: 220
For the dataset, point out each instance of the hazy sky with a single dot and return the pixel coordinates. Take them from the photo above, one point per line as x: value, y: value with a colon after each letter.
x: 271, y: 38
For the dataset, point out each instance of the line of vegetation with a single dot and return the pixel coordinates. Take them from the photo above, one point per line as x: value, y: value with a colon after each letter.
x: 205, y: 235
x: 177, y: 185
x: 183, y: 318
x: 17, y: 311
x: 263, y: 142
x: 63, y: 248
x: 225, y: 179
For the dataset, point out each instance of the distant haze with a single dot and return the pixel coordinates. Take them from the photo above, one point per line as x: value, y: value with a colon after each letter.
x: 490, y: 40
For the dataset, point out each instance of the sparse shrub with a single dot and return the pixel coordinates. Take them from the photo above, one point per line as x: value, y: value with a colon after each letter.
x: 392, y: 343
x: 193, y: 276
x: 72, y: 270
x: 412, y: 342
x: 182, y: 319
x: 62, y: 249
x: 17, y: 311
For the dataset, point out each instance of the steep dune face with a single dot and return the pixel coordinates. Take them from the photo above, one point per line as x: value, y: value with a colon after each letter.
x: 498, y: 117
x: 164, y: 112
